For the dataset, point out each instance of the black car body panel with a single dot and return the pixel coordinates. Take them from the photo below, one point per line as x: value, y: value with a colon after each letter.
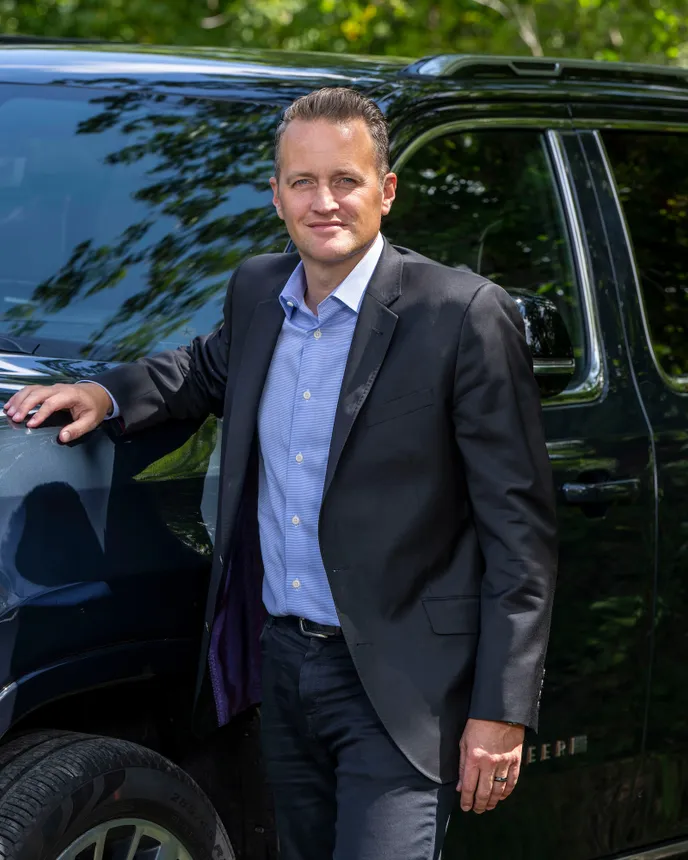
x: 106, y: 543
x: 102, y: 546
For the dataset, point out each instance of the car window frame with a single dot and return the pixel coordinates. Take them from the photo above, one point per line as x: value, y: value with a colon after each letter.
x: 592, y: 386
x: 675, y: 383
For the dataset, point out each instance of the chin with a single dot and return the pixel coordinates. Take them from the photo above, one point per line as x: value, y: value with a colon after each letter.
x: 333, y: 251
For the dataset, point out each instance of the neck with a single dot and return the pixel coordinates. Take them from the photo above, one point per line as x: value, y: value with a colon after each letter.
x: 322, y: 279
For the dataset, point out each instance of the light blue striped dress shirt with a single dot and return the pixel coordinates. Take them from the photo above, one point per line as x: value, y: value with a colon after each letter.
x: 295, y: 422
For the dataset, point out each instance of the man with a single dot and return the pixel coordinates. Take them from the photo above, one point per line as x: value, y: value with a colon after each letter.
x: 382, y: 435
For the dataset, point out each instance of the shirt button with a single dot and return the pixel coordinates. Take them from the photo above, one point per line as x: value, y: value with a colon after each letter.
x: 306, y: 395
x: 290, y: 304
x: 296, y: 584
x: 317, y: 334
x: 295, y: 520
x: 299, y: 458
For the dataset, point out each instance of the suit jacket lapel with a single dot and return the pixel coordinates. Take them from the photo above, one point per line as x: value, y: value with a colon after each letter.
x: 372, y: 336
x: 259, y: 345
x: 264, y: 327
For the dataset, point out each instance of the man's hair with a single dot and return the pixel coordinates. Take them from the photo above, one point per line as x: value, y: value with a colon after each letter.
x: 338, y: 104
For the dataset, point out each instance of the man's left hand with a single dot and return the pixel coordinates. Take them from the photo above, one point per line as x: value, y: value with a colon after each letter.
x: 488, y: 749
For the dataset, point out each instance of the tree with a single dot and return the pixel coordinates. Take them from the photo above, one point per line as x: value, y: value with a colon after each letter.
x: 630, y: 30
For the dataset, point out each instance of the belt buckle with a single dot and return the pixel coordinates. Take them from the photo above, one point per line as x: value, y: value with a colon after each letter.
x: 310, y: 633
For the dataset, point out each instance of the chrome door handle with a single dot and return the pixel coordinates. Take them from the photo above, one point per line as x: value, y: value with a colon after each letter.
x: 601, y: 492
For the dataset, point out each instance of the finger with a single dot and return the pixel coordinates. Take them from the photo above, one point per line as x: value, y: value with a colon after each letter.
x: 484, y: 790
x: 510, y: 785
x: 497, y: 793
x: 18, y: 398
x: 77, y: 428
x: 469, y: 783
x: 51, y: 404
x: 10, y: 404
x: 27, y: 400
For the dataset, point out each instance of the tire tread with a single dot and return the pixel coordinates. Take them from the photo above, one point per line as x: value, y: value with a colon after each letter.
x: 52, y: 765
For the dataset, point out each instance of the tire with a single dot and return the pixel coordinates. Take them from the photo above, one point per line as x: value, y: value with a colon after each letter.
x: 24, y: 742
x: 58, y: 788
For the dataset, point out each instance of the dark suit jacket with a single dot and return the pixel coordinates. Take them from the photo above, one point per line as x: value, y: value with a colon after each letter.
x: 437, y: 528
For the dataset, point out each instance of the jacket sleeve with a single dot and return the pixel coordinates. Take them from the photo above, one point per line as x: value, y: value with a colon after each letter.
x: 499, y: 431
x: 188, y: 382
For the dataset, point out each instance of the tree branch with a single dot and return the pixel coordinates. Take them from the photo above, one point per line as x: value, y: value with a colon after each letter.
x: 214, y: 21
x: 527, y: 29
x: 525, y: 19
x: 496, y: 6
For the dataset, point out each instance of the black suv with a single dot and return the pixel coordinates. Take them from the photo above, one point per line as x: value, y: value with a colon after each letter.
x: 132, y: 182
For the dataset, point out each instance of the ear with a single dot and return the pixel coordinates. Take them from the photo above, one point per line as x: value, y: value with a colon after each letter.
x: 275, y: 197
x: 389, y: 192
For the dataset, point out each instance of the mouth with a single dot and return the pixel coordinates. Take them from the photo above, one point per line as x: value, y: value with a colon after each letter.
x: 324, y: 227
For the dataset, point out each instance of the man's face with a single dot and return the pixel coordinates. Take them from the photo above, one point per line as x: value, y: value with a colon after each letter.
x: 329, y: 193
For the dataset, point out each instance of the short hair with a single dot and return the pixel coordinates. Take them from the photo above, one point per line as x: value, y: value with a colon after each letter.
x: 336, y: 105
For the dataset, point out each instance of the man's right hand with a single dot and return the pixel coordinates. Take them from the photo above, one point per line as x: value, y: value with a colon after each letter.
x: 88, y: 403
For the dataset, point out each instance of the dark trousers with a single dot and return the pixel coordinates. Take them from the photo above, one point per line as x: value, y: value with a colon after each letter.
x: 342, y: 789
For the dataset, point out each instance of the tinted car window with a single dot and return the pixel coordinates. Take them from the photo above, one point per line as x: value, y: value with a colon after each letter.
x: 488, y: 200
x: 123, y: 214
x: 653, y: 188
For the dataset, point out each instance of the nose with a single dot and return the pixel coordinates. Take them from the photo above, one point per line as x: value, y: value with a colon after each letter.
x: 324, y: 201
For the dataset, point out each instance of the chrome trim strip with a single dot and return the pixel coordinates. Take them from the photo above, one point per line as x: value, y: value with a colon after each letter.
x: 678, y: 383
x: 629, y: 124
x: 593, y: 385
x: 678, y: 849
x: 544, y: 366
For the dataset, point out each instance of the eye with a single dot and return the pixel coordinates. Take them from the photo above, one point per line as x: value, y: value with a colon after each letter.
x: 348, y: 180
x: 299, y: 183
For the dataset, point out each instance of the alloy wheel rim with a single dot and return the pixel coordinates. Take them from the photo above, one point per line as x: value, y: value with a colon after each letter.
x: 126, y: 839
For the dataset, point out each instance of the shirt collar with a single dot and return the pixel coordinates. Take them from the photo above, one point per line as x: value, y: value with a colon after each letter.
x: 349, y: 292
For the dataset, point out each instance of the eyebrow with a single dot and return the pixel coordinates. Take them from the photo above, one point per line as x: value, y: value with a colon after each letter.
x: 306, y: 174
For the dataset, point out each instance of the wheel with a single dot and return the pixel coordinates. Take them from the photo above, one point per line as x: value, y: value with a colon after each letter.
x: 79, y: 797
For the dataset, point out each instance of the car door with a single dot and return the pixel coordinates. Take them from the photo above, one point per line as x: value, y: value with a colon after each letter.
x: 122, y: 215
x: 638, y: 167
x: 501, y: 198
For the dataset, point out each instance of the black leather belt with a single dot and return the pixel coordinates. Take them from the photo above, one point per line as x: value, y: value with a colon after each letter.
x: 311, y: 628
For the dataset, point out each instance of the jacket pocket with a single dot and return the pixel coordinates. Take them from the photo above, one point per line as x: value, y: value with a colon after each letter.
x: 453, y: 614
x: 410, y: 402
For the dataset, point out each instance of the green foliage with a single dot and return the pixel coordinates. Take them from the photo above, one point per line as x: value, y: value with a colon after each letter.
x: 189, y: 461
x: 630, y: 30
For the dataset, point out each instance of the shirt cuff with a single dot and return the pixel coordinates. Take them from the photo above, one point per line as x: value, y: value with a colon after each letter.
x: 115, y: 407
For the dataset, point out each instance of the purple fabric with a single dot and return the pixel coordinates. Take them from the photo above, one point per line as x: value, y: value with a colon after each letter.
x: 234, y: 657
